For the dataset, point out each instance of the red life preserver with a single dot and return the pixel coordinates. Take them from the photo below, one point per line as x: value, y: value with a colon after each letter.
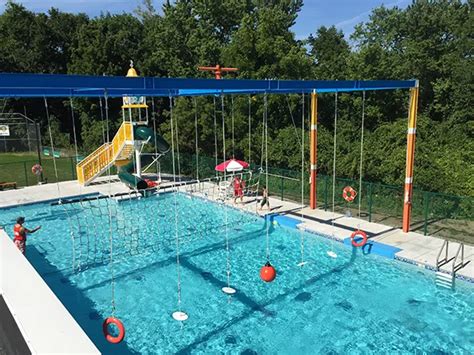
x: 17, y: 233
x: 36, y: 169
x: 349, y: 194
x: 361, y: 234
x: 118, y: 324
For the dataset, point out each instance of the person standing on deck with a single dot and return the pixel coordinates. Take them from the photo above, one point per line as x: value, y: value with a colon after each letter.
x: 265, y: 200
x: 20, y: 233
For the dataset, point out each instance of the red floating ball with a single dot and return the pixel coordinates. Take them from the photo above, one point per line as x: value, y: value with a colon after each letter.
x: 267, y: 273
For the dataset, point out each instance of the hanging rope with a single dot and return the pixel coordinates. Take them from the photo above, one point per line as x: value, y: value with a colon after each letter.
x: 228, y: 264
x: 197, y: 137
x: 178, y: 268
x: 102, y: 119
x: 74, y: 129
x: 158, y: 167
x: 292, y: 118
x: 334, y: 169
x: 177, y: 148
x: 215, y: 132
x: 233, y: 138
x: 361, y: 150
x: 52, y: 148
x: 250, y: 129
x: 266, y: 172
x: 302, y: 177
x: 80, y: 190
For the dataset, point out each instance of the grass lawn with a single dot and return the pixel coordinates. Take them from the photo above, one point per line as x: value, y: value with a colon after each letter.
x: 16, y: 167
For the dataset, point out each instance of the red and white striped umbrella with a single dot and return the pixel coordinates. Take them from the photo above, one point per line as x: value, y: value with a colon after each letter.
x: 232, y: 165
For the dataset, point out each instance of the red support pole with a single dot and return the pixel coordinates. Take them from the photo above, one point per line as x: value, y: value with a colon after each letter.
x: 313, y: 149
x: 410, y: 160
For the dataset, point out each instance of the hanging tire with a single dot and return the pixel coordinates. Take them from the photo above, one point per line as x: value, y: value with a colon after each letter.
x: 105, y: 328
x: 361, y: 243
x: 349, y: 194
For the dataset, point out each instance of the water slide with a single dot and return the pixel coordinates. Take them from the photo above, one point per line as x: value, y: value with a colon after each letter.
x: 126, y: 170
x: 119, y: 152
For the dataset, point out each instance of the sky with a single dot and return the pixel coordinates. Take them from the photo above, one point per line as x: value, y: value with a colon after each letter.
x: 344, y: 14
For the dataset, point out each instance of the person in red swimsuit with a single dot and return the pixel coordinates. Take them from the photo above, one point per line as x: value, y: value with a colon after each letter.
x: 238, y: 189
x: 20, y: 233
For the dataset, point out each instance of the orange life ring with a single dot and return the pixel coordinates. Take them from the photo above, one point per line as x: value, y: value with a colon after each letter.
x: 105, y: 328
x: 360, y: 234
x: 36, y: 169
x: 349, y: 194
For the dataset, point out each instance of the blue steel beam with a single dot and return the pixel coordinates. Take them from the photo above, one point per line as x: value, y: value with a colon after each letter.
x: 53, y: 85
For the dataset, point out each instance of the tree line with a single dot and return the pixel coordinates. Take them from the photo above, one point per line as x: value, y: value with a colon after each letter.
x: 430, y: 40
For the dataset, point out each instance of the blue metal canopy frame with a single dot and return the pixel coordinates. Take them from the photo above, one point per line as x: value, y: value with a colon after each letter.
x: 59, y: 85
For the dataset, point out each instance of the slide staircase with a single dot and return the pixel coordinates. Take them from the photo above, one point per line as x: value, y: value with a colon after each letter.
x: 104, y: 157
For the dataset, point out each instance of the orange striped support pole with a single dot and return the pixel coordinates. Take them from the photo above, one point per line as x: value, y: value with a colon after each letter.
x: 411, y: 134
x: 313, y: 149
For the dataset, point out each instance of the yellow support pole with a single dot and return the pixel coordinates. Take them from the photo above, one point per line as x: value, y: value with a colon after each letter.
x: 313, y: 148
x: 411, y: 134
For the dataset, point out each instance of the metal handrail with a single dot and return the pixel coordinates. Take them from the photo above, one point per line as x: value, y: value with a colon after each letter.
x: 461, y: 264
x: 445, y: 260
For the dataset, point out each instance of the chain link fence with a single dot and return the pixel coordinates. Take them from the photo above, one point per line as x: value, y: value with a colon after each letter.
x: 19, y: 134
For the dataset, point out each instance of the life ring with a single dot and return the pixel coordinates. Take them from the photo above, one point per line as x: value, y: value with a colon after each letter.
x: 349, y: 194
x: 105, y: 328
x: 36, y: 169
x: 360, y: 234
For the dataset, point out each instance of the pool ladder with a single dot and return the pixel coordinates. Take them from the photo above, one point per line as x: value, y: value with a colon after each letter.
x: 447, y: 279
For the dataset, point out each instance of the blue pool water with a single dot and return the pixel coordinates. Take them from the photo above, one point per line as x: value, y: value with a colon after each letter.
x: 353, y: 304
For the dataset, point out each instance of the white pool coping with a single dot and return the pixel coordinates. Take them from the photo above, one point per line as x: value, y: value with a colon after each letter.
x: 44, y: 322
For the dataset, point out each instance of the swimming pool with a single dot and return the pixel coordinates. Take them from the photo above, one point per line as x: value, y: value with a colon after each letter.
x: 352, y: 304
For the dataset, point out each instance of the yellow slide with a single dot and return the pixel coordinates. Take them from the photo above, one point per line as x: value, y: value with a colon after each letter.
x: 96, y: 163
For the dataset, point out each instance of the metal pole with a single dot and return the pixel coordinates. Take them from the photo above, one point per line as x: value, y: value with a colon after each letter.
x: 411, y: 134
x: 326, y: 192
x: 281, y: 172
x: 426, y: 204
x: 313, y: 149
x: 369, y: 194
x: 26, y: 173
x: 38, y: 149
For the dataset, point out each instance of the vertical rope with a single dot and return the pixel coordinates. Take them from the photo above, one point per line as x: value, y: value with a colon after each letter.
x: 52, y: 147
x: 215, y: 131
x: 250, y: 129
x: 102, y: 119
x: 225, y: 195
x: 233, y: 138
x: 178, y: 268
x: 177, y: 148
x: 197, y: 137
x: 111, y: 247
x: 74, y: 128
x: 302, y: 177
x: 158, y: 170
x: 266, y: 171
x: 334, y: 161
x: 80, y: 191
x: 361, y: 150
